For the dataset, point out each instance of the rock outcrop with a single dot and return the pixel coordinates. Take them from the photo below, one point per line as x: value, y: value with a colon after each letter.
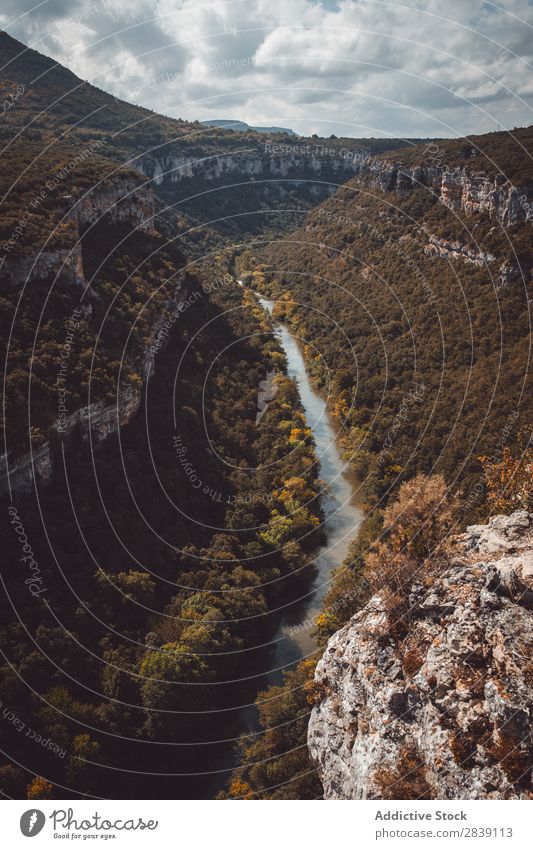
x: 130, y: 200
x: 22, y: 472
x: 282, y: 160
x: 446, y: 710
x: 97, y: 421
x: 447, y: 249
x: 67, y: 261
x: 458, y: 188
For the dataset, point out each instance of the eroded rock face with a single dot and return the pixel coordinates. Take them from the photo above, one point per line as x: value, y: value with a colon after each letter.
x: 97, y: 421
x: 268, y: 162
x: 23, y: 471
x: 68, y: 261
x: 130, y: 201
x: 457, y: 188
x: 448, y: 707
x: 447, y: 249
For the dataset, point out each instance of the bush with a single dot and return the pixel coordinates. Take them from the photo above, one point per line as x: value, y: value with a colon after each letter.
x: 418, y: 522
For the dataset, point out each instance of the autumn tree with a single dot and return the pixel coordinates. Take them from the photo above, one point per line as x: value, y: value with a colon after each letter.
x: 509, y: 477
x: 40, y: 788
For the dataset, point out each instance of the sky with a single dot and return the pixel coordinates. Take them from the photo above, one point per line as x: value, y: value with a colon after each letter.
x: 349, y: 68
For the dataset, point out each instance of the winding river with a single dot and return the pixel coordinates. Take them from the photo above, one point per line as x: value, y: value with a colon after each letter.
x: 342, y: 514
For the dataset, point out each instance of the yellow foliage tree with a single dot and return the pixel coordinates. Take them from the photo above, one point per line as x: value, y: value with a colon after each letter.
x: 40, y: 788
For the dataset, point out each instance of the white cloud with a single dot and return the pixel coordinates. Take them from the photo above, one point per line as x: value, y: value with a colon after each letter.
x: 354, y: 67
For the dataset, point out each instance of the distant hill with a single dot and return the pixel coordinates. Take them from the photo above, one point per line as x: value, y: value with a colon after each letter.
x: 51, y: 116
x: 242, y: 127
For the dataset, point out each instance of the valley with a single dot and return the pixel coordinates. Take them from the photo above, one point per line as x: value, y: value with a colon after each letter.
x: 256, y: 388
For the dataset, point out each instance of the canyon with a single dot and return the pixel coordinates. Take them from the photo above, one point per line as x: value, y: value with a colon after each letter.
x: 365, y: 302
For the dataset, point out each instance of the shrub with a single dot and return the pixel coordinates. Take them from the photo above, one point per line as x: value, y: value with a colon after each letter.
x: 418, y: 521
x: 407, y: 780
x: 510, y: 479
x: 40, y: 788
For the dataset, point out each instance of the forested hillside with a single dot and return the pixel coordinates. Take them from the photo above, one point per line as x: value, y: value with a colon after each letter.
x: 204, y: 175
x: 146, y: 506
x: 414, y: 311
x: 144, y: 599
x: 420, y: 311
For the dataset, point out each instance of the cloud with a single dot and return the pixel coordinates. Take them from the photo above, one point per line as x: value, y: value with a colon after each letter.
x: 352, y: 67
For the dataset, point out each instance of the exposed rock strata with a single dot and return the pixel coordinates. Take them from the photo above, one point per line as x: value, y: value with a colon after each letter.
x: 131, y: 201
x: 449, y: 705
x: 16, y: 272
x: 24, y: 470
x: 253, y: 163
x: 447, y: 249
x: 458, y: 188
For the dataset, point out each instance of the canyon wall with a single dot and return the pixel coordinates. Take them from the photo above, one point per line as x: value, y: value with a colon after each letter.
x: 272, y: 161
x: 130, y: 201
x: 458, y: 188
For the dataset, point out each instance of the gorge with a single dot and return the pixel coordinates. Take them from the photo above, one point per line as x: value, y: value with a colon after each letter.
x: 326, y: 594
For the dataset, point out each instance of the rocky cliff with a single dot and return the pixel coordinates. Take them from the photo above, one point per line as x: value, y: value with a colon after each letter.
x: 272, y: 160
x: 447, y: 712
x: 459, y: 188
x: 130, y: 200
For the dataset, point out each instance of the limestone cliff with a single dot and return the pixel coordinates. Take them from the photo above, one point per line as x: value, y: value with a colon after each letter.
x: 445, y: 712
x: 270, y: 161
x: 459, y: 188
x: 128, y: 200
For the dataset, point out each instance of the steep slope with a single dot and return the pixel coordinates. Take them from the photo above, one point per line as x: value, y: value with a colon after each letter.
x: 413, y: 284
x: 445, y: 712
x: 139, y: 569
x: 81, y: 169
x: 141, y: 488
x: 93, y: 287
x: 411, y: 291
x: 56, y: 112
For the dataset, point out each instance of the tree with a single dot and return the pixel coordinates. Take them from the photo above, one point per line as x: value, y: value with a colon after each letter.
x: 418, y: 521
x: 170, y: 688
x: 40, y: 788
x: 12, y: 782
x: 80, y: 769
x: 510, y: 478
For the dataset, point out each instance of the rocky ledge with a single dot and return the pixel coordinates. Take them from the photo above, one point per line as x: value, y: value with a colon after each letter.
x: 444, y: 711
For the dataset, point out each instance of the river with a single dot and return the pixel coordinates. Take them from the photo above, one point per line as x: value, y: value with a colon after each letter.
x: 293, y: 638
x: 342, y: 514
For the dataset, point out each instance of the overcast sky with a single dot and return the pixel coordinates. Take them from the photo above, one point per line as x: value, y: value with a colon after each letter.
x: 353, y: 67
